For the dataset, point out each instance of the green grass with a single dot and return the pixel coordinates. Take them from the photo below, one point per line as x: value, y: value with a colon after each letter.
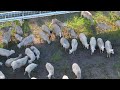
x: 56, y: 56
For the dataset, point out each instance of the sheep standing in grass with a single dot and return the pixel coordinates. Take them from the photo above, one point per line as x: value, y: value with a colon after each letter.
x: 46, y: 29
x: 57, y: 30
x: 76, y: 70
x: 30, y: 54
x: 74, y: 45
x: 64, y: 42
x: 65, y: 77
x: 83, y: 40
x: 44, y: 36
x: 108, y: 48
x: 9, y: 61
x: 92, y: 44
x: 36, y: 51
x: 18, y: 37
x: 2, y: 76
x: 50, y: 70
x: 72, y: 33
x: 19, y: 63
x: 100, y: 44
x: 30, y: 68
x: 5, y: 52
x: 26, y: 41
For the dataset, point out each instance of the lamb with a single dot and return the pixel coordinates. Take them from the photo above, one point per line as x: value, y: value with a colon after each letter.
x: 30, y: 54
x: 2, y: 76
x: 100, y: 44
x: 72, y: 33
x: 19, y: 63
x: 108, y: 48
x: 5, y: 52
x: 57, y: 30
x: 18, y: 37
x: 65, y: 77
x: 50, y: 70
x: 46, y: 29
x: 76, y: 70
x: 29, y: 39
x: 74, y: 45
x: 44, y: 37
x: 30, y: 68
x: 9, y: 61
x: 83, y: 40
x: 36, y: 51
x: 92, y: 44
x: 64, y: 42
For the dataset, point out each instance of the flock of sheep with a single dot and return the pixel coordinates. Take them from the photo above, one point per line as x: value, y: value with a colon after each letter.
x: 33, y: 53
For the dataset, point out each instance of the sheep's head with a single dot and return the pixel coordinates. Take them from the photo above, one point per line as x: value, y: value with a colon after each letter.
x: 92, y: 50
x: 12, y: 51
x: 102, y: 48
x: 112, y: 51
x: 70, y: 51
x: 49, y: 76
x: 87, y: 46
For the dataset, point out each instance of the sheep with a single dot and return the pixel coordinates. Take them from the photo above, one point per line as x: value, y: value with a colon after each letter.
x: 65, y: 77
x: 76, y: 70
x: 30, y: 68
x: 30, y: 54
x: 36, y: 51
x: 92, y: 44
x: 74, y: 45
x: 9, y: 61
x: 33, y: 78
x: 19, y: 63
x: 72, y: 33
x: 100, y: 44
x: 83, y: 40
x: 88, y: 15
x: 44, y: 37
x: 46, y: 29
x: 57, y: 30
x: 108, y: 48
x: 5, y: 52
x: 50, y: 70
x: 64, y: 42
x: 2, y: 76
x: 18, y: 37
x: 27, y: 40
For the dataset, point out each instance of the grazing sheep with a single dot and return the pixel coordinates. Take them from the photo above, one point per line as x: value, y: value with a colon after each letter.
x: 83, y: 40
x: 64, y: 42
x: 30, y: 54
x: 9, y: 61
x: 44, y: 36
x: 65, y: 77
x: 57, y: 30
x: 33, y: 78
x: 76, y: 70
x: 92, y: 44
x: 2, y: 76
x: 18, y: 37
x: 74, y: 45
x: 108, y: 48
x: 5, y: 52
x: 72, y: 33
x: 100, y: 44
x: 29, y: 39
x: 19, y: 63
x: 50, y: 70
x: 46, y: 29
x: 30, y: 68
x: 36, y: 51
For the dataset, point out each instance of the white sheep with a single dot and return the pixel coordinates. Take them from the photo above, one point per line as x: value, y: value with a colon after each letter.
x: 2, y: 76
x: 57, y: 30
x: 92, y: 44
x: 108, y: 48
x: 64, y: 42
x: 5, y: 52
x: 9, y: 61
x: 30, y: 68
x: 44, y: 37
x: 76, y: 70
x: 65, y: 77
x: 27, y: 40
x: 18, y: 37
x: 33, y: 78
x: 19, y: 63
x: 30, y: 54
x: 100, y: 44
x: 36, y: 51
x: 46, y: 29
x: 74, y: 45
x: 50, y: 70
x: 72, y: 33
x: 83, y: 40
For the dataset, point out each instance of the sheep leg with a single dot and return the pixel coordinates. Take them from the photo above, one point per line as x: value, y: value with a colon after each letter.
x: 107, y: 55
x: 29, y: 75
